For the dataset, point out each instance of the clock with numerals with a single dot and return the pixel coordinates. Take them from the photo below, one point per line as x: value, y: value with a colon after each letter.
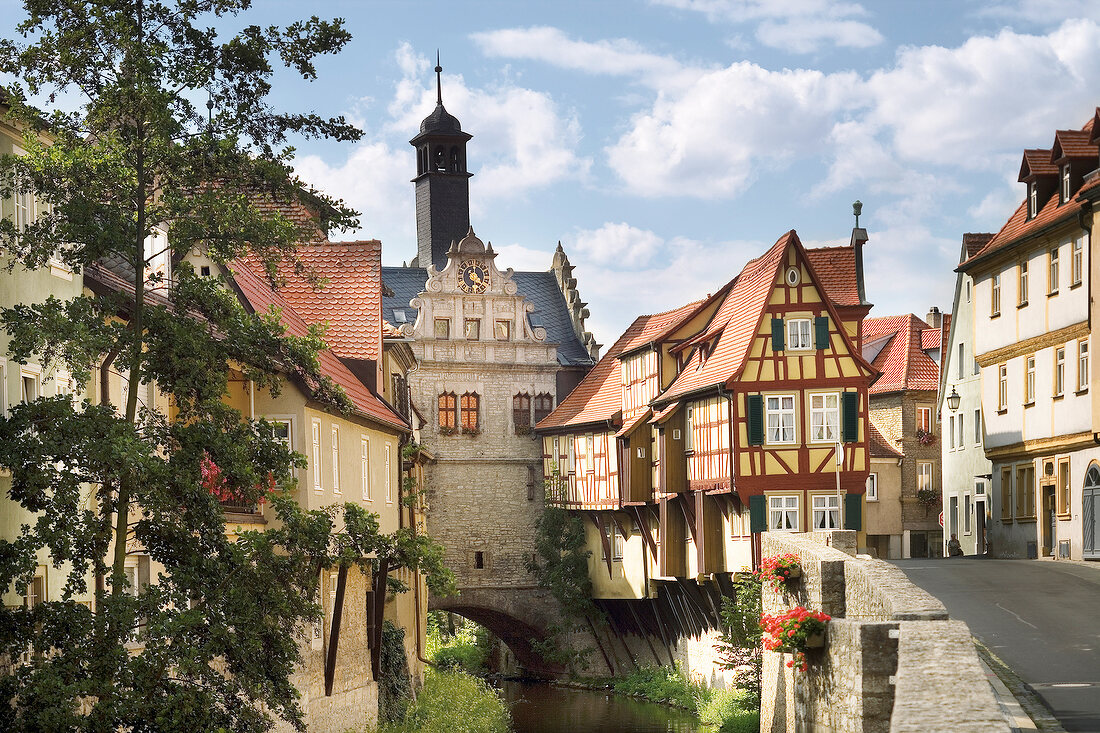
x: 473, y: 277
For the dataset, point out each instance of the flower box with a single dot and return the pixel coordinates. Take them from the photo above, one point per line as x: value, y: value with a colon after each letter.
x: 794, y: 632
x: 780, y: 570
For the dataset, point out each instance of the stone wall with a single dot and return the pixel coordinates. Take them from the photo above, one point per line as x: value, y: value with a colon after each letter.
x: 892, y: 660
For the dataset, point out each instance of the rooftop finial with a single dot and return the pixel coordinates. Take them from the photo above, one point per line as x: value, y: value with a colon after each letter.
x: 438, y: 80
x: 857, y: 209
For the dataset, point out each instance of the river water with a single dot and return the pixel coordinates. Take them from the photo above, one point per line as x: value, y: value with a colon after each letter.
x: 543, y: 708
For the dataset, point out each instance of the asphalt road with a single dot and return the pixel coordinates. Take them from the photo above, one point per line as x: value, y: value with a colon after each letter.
x: 1041, y: 617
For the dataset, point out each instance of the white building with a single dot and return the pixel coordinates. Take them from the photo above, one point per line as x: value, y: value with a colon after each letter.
x: 1032, y: 341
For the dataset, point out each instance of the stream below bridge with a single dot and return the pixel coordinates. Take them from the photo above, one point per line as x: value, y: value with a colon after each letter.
x: 544, y: 708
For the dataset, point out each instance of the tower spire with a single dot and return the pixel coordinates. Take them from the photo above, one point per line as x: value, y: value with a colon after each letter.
x: 438, y: 80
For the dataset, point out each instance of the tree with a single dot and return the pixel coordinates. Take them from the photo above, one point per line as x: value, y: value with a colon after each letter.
x: 174, y: 131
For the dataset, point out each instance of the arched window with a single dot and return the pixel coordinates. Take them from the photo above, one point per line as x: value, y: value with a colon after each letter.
x: 521, y: 413
x: 448, y: 411
x: 440, y: 159
x: 470, y: 403
x: 544, y: 405
x: 456, y: 160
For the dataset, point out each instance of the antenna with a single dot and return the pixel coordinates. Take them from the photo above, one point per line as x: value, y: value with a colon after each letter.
x: 438, y: 80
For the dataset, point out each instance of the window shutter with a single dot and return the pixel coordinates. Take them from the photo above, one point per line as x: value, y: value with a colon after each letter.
x: 821, y: 332
x: 758, y: 514
x: 850, y: 417
x: 756, y: 419
x: 853, y: 512
x: 777, y: 334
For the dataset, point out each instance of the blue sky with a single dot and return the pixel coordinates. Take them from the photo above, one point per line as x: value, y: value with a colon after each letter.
x: 664, y: 143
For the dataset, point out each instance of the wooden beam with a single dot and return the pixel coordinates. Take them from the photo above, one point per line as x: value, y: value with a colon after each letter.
x: 598, y: 521
x: 643, y: 630
x: 380, y: 577
x: 334, y: 629
x: 643, y: 525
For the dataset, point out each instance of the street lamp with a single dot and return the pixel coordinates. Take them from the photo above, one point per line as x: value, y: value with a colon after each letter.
x: 953, y: 399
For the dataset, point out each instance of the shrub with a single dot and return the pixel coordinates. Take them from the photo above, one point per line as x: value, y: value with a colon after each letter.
x: 451, y: 702
x: 462, y: 648
x: 395, y: 685
x: 730, y: 711
x: 663, y: 685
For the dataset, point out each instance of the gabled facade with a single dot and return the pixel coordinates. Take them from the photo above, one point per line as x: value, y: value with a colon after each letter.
x: 706, y: 425
x: 906, y: 350
x: 1033, y: 343
x: 967, y: 473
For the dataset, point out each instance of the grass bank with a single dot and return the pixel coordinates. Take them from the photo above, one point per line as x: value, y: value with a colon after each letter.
x: 451, y: 702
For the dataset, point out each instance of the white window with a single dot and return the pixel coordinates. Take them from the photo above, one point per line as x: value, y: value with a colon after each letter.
x: 388, y: 481
x: 336, y: 459
x: 872, y: 487
x: 824, y: 417
x: 924, y: 476
x: 1078, y: 265
x: 951, y: 431
x: 1052, y: 271
x: 1002, y: 387
x: 1059, y: 371
x: 23, y: 200
x: 780, y: 414
x: 962, y: 431
x: 1082, y: 365
x: 978, y: 426
x: 967, y: 291
x: 995, y: 296
x: 967, y: 511
x: 29, y: 386
x: 1065, y: 183
x: 826, y: 512
x: 614, y: 540
x: 316, y: 456
x: 1029, y: 380
x: 689, y: 436
x: 783, y: 513
x: 1032, y: 200
x: 364, y: 465
x: 1022, y: 284
x: 280, y: 429
x: 798, y: 334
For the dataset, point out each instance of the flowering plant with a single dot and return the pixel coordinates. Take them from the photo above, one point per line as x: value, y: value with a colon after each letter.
x: 926, y: 437
x: 792, y: 632
x: 780, y: 569
x: 214, y: 481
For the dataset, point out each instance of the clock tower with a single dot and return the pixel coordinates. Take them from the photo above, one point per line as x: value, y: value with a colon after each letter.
x: 442, y: 183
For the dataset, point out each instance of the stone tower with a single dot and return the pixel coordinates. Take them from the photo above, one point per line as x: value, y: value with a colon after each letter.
x: 442, y: 183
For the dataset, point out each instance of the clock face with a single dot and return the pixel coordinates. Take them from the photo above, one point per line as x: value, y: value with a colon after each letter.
x: 472, y: 277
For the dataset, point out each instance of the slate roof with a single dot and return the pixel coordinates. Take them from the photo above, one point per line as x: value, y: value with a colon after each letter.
x: 349, y: 302
x: 598, y: 398
x: 260, y: 296
x: 540, y: 289
x: 879, y: 446
x: 902, y: 361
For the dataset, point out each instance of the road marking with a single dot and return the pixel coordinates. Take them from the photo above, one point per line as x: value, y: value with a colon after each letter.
x: 1018, y: 617
x: 1063, y: 684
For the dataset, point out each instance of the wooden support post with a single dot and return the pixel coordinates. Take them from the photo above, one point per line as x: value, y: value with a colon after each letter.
x: 657, y: 613
x: 380, y: 577
x: 334, y: 630
x: 596, y: 637
x: 598, y: 521
x: 643, y: 630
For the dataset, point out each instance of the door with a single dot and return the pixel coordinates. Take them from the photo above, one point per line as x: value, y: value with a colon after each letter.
x: 979, y: 527
x: 1090, y: 500
x: 1049, y: 521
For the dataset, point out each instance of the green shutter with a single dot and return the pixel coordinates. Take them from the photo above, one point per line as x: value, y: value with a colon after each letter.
x: 821, y: 332
x: 849, y: 418
x: 758, y: 514
x: 853, y: 511
x: 777, y: 334
x: 756, y: 419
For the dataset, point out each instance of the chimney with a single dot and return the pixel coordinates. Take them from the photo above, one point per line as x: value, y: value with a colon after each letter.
x: 934, y: 317
x: 859, y: 238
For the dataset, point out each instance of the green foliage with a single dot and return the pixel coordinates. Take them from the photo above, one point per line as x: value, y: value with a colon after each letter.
x: 395, y: 682
x: 665, y: 685
x: 464, y: 649
x: 739, y: 646
x: 220, y: 628
x: 730, y: 711
x: 452, y: 702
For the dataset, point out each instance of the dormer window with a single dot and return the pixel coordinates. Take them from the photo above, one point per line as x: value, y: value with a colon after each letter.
x: 1032, y: 200
x: 1065, y: 183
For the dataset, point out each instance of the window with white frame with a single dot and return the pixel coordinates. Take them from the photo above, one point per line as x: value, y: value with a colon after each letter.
x: 824, y: 417
x: 614, y: 539
x: 1059, y: 371
x: 1002, y: 387
x: 336, y: 459
x: 1052, y: 271
x: 924, y: 475
x: 1077, y: 265
x: 364, y: 466
x: 826, y: 511
x: 689, y: 432
x: 798, y: 334
x: 1021, y: 283
x: 280, y: 430
x: 962, y: 359
x: 1032, y: 200
x: 978, y: 426
x: 387, y: 481
x: 1065, y: 183
x: 1082, y: 365
x: 872, y: 487
x: 315, y: 456
x: 1029, y: 380
x: 995, y: 296
x: 30, y: 385
x: 967, y: 511
x: 783, y: 513
x: 950, y: 431
x: 780, y: 418
x: 22, y: 198
x: 962, y: 431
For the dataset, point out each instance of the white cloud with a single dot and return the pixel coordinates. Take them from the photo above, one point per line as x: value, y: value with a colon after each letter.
x: 619, y: 244
x: 799, y: 26
x: 908, y: 259
x: 1043, y: 12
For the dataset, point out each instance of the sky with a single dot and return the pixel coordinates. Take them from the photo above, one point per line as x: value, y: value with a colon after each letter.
x: 665, y: 143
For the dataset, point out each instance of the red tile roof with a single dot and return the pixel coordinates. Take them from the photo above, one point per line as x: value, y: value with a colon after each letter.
x: 598, y: 397
x: 350, y: 302
x: 261, y: 297
x: 973, y: 242
x: 1093, y: 126
x: 1036, y: 162
x: 835, y: 268
x: 879, y: 446
x: 902, y: 361
x: 1073, y: 144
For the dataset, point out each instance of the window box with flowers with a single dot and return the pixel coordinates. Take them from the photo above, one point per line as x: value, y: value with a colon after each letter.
x: 471, y: 430
x: 926, y: 437
x: 448, y: 430
x: 780, y: 570
x: 794, y: 632
x: 929, y: 498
